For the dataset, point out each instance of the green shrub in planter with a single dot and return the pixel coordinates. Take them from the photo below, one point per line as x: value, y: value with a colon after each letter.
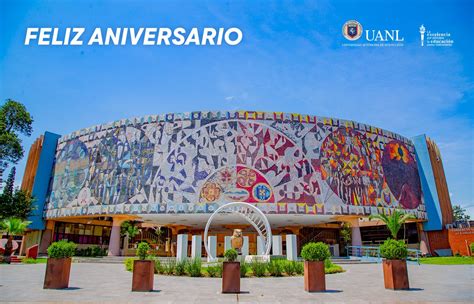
x: 142, y: 250
x: 393, y: 250
x: 315, y: 252
x: 61, y: 249
x: 180, y: 268
x: 194, y: 267
x: 231, y: 255
x: 258, y: 268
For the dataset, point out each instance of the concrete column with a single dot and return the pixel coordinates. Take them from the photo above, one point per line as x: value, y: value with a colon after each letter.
x: 182, y: 247
x: 212, y: 246
x: 114, y: 243
x: 245, y: 247
x: 356, y: 237
x: 126, y: 243
x: 277, y: 245
x: 46, y: 238
x: 291, y: 252
x: 260, y: 246
x: 196, y: 246
x: 424, y: 244
x: 227, y: 243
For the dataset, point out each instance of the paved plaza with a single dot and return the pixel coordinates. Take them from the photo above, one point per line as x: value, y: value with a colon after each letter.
x: 110, y: 283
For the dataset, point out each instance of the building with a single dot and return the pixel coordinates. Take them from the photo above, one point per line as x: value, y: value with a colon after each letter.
x: 308, y: 174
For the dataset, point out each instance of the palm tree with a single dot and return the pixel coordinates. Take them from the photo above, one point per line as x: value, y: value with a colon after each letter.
x: 12, y: 226
x: 394, y: 222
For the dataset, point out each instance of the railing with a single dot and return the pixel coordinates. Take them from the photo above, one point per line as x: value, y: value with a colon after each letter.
x: 373, y: 253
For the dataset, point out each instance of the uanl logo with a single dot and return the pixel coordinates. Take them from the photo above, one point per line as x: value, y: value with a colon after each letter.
x: 352, y: 30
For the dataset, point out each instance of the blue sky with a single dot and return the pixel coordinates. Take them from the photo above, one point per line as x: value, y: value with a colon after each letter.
x: 291, y: 59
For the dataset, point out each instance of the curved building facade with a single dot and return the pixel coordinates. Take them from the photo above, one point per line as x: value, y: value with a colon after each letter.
x: 193, y: 163
x: 300, y: 170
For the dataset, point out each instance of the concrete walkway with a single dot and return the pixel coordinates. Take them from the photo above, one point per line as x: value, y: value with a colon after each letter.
x: 110, y: 283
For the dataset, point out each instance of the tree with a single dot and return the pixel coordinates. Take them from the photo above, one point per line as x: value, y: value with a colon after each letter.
x: 346, y: 233
x: 394, y: 222
x: 14, y: 120
x: 12, y: 227
x: 129, y: 229
x: 459, y: 214
x: 15, y: 203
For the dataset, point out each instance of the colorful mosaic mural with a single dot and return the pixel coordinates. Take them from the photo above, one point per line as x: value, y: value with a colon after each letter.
x: 195, y: 162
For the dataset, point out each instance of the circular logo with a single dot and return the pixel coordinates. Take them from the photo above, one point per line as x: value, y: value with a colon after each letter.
x: 352, y: 30
x: 262, y: 192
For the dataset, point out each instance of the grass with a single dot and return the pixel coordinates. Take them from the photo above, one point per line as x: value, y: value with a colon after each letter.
x: 448, y: 260
x: 275, y: 268
x: 34, y: 261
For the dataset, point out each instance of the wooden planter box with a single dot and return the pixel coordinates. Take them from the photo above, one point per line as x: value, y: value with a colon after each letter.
x: 395, y: 274
x: 57, y: 273
x: 143, y: 275
x: 231, y: 277
x: 314, y: 276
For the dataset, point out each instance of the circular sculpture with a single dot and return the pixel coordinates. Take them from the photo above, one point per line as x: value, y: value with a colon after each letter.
x: 252, y: 215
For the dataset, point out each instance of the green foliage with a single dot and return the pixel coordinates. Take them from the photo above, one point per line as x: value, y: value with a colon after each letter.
x: 333, y: 269
x: 13, y: 226
x: 169, y: 268
x: 142, y: 250
x: 15, y: 203
x: 258, y: 268
x: 394, y: 222
x: 299, y: 268
x: 471, y: 247
x: 34, y: 261
x: 328, y: 263
x: 129, y: 228
x: 180, y: 268
x: 244, y: 268
x: 215, y: 271
x: 275, y: 268
x: 393, y: 250
x: 194, y: 267
x: 10, y: 183
x: 315, y: 251
x: 93, y: 251
x: 289, y: 267
x: 459, y: 214
x: 158, y: 267
x: 230, y: 255
x: 346, y: 233
x: 129, y: 263
x: 14, y: 120
x: 61, y: 249
x: 448, y: 260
